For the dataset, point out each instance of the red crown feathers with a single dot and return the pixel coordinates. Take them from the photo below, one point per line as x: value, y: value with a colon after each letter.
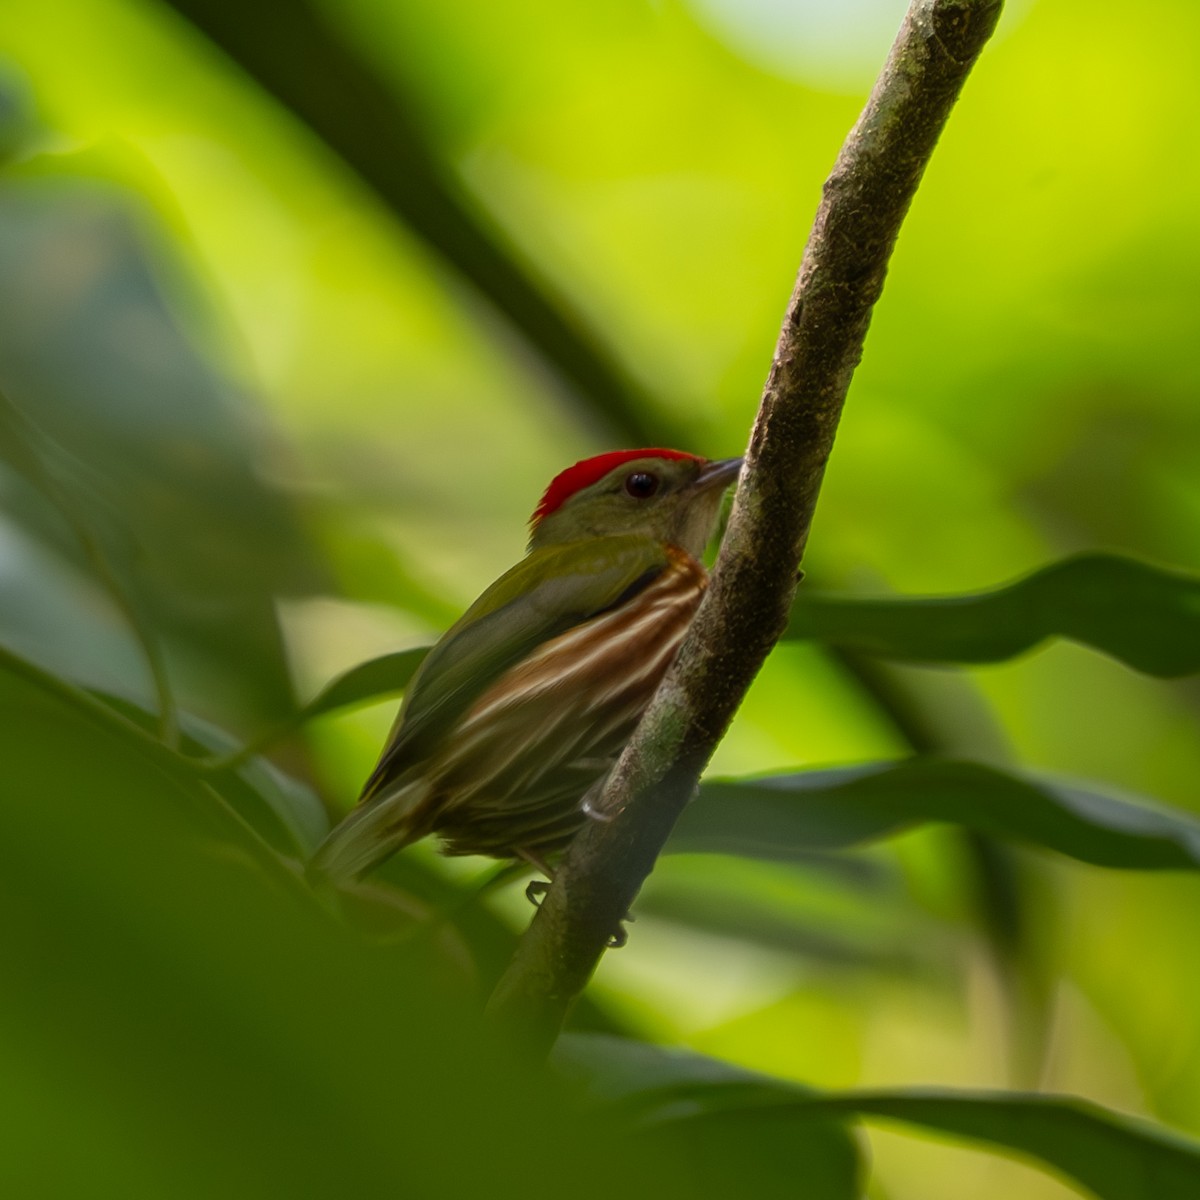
x: 591, y: 470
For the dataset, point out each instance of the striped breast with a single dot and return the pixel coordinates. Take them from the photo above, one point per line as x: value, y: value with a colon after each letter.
x: 514, y: 769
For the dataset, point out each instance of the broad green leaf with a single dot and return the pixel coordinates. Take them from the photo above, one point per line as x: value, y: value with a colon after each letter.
x: 1116, y: 1157
x: 782, y: 816
x: 1146, y: 616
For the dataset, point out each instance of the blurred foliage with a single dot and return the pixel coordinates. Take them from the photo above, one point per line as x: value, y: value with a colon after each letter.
x: 300, y: 306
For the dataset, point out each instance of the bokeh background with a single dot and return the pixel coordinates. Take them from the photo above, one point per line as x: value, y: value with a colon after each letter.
x: 291, y: 410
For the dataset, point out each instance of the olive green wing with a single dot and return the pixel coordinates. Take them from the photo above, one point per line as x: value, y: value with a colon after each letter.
x: 550, y: 591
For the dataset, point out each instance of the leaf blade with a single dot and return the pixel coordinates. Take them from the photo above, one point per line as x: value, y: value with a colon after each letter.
x: 1116, y: 1157
x: 1146, y: 616
x: 374, y: 679
x: 784, y: 816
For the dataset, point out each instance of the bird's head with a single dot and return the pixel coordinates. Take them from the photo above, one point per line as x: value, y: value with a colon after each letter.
x: 662, y: 494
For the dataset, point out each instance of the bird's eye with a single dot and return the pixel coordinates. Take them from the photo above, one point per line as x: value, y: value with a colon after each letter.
x: 641, y: 484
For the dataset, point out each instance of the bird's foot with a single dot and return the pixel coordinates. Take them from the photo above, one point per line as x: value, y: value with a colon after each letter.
x: 621, y: 936
x: 536, y: 888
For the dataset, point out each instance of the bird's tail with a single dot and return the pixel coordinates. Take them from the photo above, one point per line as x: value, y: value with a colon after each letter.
x: 375, y: 830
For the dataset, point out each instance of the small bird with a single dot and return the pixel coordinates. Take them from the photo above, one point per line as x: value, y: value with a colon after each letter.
x: 523, y: 706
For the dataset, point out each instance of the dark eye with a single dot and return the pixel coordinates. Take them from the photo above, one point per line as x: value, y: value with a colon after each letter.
x: 641, y: 484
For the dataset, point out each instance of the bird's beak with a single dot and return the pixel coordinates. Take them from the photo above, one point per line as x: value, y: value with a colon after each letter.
x: 718, y: 474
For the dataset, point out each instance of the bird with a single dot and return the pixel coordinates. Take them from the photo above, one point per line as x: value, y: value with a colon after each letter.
x: 519, y: 712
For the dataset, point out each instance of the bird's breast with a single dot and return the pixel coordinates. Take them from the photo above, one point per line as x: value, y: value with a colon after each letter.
x: 625, y: 649
x: 513, y: 771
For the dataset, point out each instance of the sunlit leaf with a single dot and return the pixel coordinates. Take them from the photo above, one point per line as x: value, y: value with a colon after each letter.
x: 1116, y: 1157
x: 1146, y: 616
x: 783, y: 815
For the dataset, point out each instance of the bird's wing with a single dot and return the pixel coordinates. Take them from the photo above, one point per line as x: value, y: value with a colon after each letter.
x: 550, y: 591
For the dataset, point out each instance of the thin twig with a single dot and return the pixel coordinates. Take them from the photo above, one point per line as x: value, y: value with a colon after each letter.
x: 841, y: 276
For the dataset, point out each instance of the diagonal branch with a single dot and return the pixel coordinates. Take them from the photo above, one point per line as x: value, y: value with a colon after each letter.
x: 841, y: 276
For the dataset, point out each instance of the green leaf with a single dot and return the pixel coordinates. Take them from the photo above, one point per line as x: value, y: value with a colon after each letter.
x: 227, y: 1021
x: 252, y: 786
x: 1147, y: 617
x: 296, y: 807
x: 46, y: 467
x: 369, y: 681
x: 788, y: 815
x: 690, y: 1094
x: 1116, y: 1157
x: 372, y: 680
x: 148, y: 450
x: 843, y: 911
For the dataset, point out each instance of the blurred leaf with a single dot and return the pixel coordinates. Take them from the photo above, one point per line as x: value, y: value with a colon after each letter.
x: 53, y: 612
x: 373, y: 680
x: 783, y: 815
x: 176, y: 1023
x: 1146, y: 616
x: 1115, y: 1156
x: 376, y: 131
x: 837, y: 910
x: 18, y: 121
x: 1118, y: 1158
x: 780, y: 1157
x: 369, y: 567
x: 253, y: 787
x: 768, y: 1155
x: 33, y: 455
x: 295, y: 806
x: 162, y: 450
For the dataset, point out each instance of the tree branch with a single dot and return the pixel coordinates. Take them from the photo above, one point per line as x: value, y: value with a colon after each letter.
x: 841, y: 276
